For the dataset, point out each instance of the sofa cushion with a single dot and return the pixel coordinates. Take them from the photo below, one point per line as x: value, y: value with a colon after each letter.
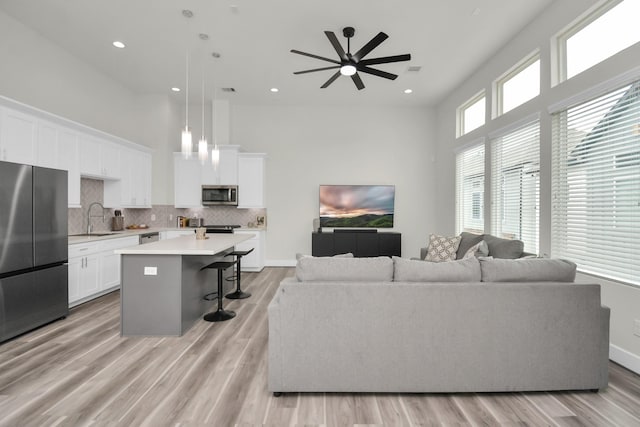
x: 442, y: 248
x: 504, y: 248
x: 527, y: 270
x: 335, y: 269
x: 406, y: 270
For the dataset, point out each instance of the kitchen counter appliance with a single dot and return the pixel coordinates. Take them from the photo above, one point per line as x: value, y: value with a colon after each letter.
x: 33, y: 247
x: 215, y: 195
x: 227, y: 229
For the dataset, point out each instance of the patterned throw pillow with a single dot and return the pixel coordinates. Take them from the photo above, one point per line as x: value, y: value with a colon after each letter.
x: 442, y: 248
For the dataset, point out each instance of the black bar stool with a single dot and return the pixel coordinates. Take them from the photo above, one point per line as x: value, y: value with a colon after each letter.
x: 221, y: 314
x: 238, y: 294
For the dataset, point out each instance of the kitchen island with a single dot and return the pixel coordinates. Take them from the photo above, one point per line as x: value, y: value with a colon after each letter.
x: 162, y: 284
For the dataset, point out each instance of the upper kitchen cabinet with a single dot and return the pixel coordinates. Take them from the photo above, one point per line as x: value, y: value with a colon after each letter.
x: 57, y: 147
x: 18, y: 133
x: 226, y: 171
x: 187, y: 175
x: 98, y: 158
x: 133, y: 189
x: 251, y: 180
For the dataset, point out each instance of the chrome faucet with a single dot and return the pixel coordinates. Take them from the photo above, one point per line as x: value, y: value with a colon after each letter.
x: 89, y: 228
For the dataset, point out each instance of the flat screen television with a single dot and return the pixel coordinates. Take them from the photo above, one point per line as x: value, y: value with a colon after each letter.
x: 357, y: 206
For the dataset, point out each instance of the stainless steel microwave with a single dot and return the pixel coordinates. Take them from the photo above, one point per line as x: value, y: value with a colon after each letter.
x: 213, y: 195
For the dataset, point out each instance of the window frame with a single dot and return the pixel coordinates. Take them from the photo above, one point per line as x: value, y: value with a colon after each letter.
x: 497, y: 109
x: 460, y: 122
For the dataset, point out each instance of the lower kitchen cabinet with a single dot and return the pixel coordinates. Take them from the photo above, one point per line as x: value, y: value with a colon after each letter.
x: 94, y: 269
x: 255, y: 260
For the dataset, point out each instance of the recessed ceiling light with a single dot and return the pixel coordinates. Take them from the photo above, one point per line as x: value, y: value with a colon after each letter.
x: 175, y: 89
x: 274, y: 89
x: 408, y: 90
x: 118, y: 44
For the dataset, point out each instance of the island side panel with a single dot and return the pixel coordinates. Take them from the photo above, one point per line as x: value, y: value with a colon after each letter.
x: 150, y: 303
x: 196, y: 283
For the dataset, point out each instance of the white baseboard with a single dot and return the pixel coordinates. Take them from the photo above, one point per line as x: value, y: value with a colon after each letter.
x: 280, y: 263
x: 624, y: 358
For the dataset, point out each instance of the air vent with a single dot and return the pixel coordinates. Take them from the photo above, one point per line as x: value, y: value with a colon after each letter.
x: 414, y: 68
x: 228, y: 89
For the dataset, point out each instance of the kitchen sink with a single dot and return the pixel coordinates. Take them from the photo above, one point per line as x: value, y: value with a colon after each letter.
x: 91, y: 235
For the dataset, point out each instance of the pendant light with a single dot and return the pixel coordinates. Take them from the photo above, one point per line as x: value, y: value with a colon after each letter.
x: 202, y: 144
x: 215, y: 152
x: 187, y: 145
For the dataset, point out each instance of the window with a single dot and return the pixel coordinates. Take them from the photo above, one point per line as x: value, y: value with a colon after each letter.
x: 515, y: 178
x: 470, y: 189
x: 471, y: 115
x: 600, y: 35
x: 596, y: 185
x: 518, y: 85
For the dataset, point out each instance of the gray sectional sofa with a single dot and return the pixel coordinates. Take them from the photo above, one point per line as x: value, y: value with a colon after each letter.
x: 383, y: 325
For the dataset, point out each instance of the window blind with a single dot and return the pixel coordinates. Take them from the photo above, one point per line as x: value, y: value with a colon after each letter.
x: 596, y: 185
x: 470, y: 190
x: 515, y: 184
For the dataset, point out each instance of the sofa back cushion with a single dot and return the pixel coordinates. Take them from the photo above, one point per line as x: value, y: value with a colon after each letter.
x: 332, y: 269
x: 527, y: 270
x: 466, y: 270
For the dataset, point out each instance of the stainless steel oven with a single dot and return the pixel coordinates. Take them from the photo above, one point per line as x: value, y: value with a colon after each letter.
x: 213, y: 195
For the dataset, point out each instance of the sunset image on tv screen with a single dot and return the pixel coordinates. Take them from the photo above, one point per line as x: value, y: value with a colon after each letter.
x: 368, y: 206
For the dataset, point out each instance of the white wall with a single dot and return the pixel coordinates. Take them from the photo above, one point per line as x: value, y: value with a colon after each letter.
x: 39, y: 73
x: 309, y: 146
x: 624, y: 300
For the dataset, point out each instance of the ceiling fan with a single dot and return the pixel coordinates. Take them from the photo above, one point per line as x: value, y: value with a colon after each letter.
x: 350, y: 64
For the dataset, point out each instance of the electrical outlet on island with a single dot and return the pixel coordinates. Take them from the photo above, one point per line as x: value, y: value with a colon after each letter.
x: 636, y: 327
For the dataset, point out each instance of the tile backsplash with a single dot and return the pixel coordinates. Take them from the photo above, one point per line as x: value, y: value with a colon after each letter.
x: 92, y: 190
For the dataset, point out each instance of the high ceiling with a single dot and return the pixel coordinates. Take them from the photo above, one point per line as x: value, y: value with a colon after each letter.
x: 447, y: 38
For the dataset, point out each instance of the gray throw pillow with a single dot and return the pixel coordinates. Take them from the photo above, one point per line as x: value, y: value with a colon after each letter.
x: 466, y: 270
x: 527, y: 270
x: 467, y: 240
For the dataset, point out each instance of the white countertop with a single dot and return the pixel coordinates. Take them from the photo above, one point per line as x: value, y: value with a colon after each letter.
x: 187, y: 245
x: 135, y: 232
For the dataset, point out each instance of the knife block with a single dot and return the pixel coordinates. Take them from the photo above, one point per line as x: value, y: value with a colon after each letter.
x: 117, y: 223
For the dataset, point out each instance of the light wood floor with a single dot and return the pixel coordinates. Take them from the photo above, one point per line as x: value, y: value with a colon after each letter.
x: 79, y: 371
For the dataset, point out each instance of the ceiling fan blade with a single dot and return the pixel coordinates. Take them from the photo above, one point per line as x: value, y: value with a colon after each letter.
x: 373, y: 43
x: 357, y: 81
x: 331, y: 80
x: 315, y: 56
x: 336, y: 45
x: 386, y: 59
x: 378, y: 73
x: 316, y: 69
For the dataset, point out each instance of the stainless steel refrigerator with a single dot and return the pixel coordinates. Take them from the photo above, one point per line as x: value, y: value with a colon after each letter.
x: 33, y: 247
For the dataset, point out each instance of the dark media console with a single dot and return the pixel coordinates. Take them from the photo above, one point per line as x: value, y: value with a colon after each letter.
x: 361, y: 243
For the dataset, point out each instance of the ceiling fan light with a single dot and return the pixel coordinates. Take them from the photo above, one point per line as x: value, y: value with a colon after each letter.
x: 348, y: 70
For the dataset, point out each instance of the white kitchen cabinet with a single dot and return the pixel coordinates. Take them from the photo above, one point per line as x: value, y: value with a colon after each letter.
x: 255, y: 260
x: 68, y: 159
x: 133, y: 189
x: 94, y: 269
x: 187, y: 181
x: 84, y: 273
x: 57, y: 148
x: 226, y: 172
x: 98, y: 158
x: 251, y: 180
x: 18, y: 133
